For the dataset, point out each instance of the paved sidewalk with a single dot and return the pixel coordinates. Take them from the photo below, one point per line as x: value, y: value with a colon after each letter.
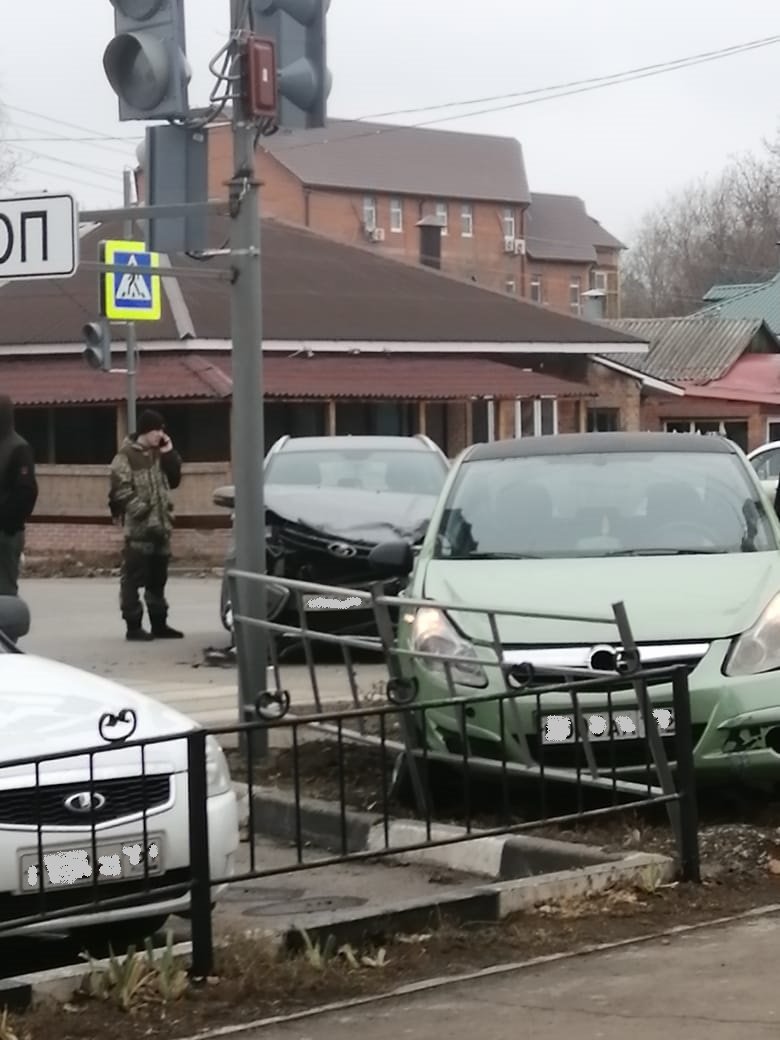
x: 717, y: 983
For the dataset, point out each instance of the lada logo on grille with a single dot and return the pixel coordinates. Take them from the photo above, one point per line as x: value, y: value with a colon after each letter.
x: 85, y: 802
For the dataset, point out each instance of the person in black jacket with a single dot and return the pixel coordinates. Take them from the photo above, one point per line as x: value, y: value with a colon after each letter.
x: 18, y: 495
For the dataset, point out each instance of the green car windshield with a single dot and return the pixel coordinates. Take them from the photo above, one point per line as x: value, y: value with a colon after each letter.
x: 610, y: 504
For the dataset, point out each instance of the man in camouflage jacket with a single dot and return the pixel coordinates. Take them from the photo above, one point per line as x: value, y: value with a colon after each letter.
x: 143, y: 472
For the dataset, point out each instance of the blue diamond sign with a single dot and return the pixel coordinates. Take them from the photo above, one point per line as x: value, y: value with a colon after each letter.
x: 130, y: 295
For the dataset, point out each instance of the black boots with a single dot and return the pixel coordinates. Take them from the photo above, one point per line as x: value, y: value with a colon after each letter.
x: 138, y: 634
x: 162, y: 630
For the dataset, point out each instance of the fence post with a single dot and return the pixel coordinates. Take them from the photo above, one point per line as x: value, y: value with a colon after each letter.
x: 200, y: 870
x: 688, y: 837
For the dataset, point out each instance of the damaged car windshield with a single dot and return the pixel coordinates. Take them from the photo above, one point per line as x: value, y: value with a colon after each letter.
x: 408, y: 472
x: 605, y: 505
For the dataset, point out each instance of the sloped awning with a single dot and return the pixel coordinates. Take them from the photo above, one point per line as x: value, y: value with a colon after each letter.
x: 42, y: 381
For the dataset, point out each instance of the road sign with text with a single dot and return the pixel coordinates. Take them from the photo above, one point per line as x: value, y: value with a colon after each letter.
x: 130, y: 295
x: 39, y: 237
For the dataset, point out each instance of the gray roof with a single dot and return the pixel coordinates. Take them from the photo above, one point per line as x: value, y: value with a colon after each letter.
x: 689, y: 350
x: 558, y: 227
x: 760, y: 302
x: 384, y: 158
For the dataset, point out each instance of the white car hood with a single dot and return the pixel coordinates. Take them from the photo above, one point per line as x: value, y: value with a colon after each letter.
x: 51, y: 708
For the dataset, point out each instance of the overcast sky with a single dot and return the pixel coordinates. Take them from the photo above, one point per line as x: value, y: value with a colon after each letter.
x: 622, y: 148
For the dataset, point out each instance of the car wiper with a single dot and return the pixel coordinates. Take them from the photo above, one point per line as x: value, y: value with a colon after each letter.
x: 666, y: 552
x: 496, y: 556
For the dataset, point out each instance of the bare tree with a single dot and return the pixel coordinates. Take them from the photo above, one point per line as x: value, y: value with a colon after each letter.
x: 723, y: 230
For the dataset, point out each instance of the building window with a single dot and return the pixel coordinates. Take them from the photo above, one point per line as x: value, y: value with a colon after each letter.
x: 396, y: 215
x: 376, y: 418
x: 509, y: 222
x: 574, y: 294
x: 536, y: 288
x: 603, y: 420
x: 510, y: 285
x: 369, y: 212
x: 536, y: 417
x: 773, y: 429
x: 467, y: 220
x: 442, y: 214
x: 598, y: 281
x: 736, y: 430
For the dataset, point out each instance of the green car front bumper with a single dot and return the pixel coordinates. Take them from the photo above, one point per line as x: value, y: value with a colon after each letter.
x: 735, y: 719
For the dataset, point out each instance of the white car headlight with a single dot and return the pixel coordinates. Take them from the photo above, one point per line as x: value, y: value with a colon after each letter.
x: 433, y: 633
x: 758, y: 649
x: 217, y: 770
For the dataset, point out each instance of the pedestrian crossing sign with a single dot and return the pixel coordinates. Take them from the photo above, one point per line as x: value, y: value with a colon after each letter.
x: 130, y: 295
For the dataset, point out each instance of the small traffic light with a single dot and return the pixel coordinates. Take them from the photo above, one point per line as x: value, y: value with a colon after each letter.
x: 146, y: 62
x: 304, y: 81
x: 97, y: 337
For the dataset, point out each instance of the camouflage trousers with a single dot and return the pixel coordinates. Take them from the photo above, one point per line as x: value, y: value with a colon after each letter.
x: 147, y: 570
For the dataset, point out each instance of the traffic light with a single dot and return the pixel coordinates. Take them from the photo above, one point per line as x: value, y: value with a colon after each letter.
x: 97, y: 337
x: 304, y: 80
x: 146, y: 62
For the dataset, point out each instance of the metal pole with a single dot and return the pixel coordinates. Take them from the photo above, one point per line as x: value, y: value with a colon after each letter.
x: 130, y: 339
x: 248, y: 437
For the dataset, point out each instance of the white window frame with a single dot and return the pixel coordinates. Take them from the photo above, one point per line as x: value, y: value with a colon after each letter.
x: 537, y: 407
x: 692, y: 425
x: 396, y: 215
x: 600, y: 281
x: 575, y: 282
x: 510, y: 286
x: 536, y: 284
x: 491, y: 419
x: 369, y: 212
x: 467, y: 220
x: 442, y: 212
x: 509, y: 222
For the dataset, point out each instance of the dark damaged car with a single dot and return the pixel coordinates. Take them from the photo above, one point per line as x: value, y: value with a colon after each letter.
x: 329, y: 501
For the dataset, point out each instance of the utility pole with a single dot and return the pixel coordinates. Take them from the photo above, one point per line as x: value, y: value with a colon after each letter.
x: 248, y: 434
x: 130, y: 338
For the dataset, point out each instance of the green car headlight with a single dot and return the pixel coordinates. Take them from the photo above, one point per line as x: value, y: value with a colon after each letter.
x: 433, y: 633
x: 758, y: 649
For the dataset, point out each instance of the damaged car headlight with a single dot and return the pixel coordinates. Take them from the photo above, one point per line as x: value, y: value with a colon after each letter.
x: 433, y: 633
x: 758, y: 649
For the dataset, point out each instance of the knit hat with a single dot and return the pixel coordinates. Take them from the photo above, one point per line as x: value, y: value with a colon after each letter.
x: 148, y: 421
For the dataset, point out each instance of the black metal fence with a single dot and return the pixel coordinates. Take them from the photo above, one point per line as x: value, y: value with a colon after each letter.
x: 96, y: 829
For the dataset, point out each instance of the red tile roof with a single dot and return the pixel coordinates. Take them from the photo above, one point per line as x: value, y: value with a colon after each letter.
x: 198, y: 377
x: 753, y: 378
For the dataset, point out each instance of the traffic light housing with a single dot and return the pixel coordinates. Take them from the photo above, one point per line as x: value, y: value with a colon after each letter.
x: 97, y: 352
x: 304, y: 81
x: 146, y: 62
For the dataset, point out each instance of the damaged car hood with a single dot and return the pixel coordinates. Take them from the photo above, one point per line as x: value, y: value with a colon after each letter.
x: 352, y: 514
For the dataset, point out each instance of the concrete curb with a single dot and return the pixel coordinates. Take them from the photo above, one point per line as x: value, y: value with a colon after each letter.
x: 501, y: 857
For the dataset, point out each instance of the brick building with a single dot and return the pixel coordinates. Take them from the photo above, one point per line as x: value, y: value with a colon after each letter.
x: 453, y: 200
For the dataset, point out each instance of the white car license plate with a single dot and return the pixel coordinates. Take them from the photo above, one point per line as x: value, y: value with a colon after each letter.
x: 70, y: 867
x: 626, y: 724
x: 324, y: 601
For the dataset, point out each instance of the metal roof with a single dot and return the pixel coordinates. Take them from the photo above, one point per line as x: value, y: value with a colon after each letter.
x: 406, y: 160
x: 558, y: 227
x: 599, y: 444
x: 694, y: 349
x: 189, y: 376
x: 726, y: 292
x: 760, y: 302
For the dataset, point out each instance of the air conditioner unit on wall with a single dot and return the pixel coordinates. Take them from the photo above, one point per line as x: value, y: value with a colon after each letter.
x: 509, y: 244
x: 519, y: 247
x: 377, y: 234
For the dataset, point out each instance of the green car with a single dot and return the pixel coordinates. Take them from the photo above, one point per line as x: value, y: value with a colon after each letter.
x: 675, y: 526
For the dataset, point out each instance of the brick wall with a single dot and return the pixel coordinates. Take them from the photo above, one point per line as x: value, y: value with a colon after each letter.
x: 616, y: 390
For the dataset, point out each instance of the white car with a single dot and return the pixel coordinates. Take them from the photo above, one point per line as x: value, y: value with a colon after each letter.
x: 48, y: 708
